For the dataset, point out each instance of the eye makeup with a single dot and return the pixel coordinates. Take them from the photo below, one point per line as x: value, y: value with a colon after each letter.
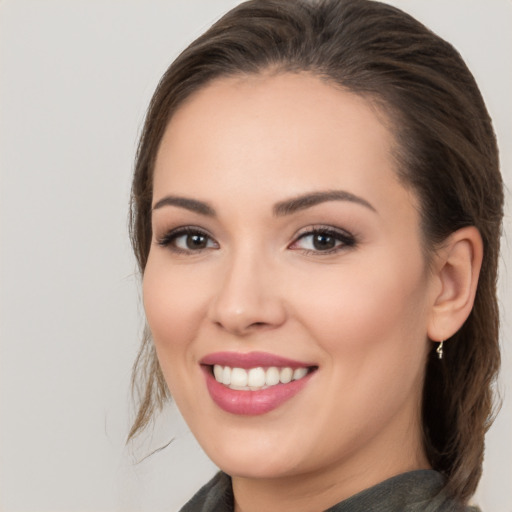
x: 323, y: 240
x: 316, y: 240
x: 186, y: 239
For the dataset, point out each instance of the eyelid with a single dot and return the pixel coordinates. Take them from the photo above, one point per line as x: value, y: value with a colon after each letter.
x: 346, y: 238
x: 169, y: 236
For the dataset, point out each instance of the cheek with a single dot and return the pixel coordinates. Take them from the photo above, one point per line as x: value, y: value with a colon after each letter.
x: 361, y: 311
x: 174, y: 306
x: 371, y: 326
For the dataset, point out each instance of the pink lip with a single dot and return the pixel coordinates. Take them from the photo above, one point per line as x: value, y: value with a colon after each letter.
x: 251, y: 360
x: 251, y: 403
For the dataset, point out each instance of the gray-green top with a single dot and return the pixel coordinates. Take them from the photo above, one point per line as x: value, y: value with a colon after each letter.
x: 416, y: 491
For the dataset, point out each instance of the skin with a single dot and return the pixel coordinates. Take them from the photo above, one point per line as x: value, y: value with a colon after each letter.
x: 362, y: 313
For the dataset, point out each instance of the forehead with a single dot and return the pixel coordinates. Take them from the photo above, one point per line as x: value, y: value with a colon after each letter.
x: 267, y: 132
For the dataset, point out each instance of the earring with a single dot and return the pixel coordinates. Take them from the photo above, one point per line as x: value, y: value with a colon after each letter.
x: 439, y: 350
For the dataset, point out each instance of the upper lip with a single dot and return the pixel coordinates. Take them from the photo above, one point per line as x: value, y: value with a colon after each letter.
x: 251, y: 360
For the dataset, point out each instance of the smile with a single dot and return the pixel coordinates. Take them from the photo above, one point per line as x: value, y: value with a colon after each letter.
x: 255, y: 379
x: 253, y: 383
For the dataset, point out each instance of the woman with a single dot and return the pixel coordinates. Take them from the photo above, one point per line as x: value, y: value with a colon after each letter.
x: 316, y: 211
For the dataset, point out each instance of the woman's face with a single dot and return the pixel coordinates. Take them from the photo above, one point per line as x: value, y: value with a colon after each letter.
x: 285, y: 246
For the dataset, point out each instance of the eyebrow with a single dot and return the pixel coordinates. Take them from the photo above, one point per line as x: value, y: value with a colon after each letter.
x: 189, y: 204
x: 280, y: 209
x: 305, y: 201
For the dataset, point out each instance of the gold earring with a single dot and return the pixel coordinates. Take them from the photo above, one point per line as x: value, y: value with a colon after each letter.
x: 439, y: 350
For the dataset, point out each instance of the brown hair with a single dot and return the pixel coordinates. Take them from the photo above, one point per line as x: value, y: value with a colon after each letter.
x: 446, y: 151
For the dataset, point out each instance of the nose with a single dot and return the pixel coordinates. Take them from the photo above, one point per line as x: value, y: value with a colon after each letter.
x: 247, y: 298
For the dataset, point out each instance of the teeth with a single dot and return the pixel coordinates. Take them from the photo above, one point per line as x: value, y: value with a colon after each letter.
x: 299, y: 373
x: 272, y: 376
x: 286, y: 375
x: 256, y: 378
x: 238, y: 377
x: 218, y: 371
x: 226, y: 376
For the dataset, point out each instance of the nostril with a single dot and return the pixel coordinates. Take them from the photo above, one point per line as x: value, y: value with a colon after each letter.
x: 258, y: 326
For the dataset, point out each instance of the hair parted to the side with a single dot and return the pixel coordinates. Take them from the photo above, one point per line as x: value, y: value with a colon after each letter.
x: 446, y: 152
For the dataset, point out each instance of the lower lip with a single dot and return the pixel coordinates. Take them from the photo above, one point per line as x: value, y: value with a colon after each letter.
x: 252, y: 403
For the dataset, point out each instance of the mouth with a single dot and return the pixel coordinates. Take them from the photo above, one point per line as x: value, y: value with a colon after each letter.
x: 256, y: 379
x: 254, y: 383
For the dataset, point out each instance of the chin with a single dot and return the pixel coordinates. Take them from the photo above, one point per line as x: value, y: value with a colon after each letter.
x: 252, y: 460
x: 255, y: 469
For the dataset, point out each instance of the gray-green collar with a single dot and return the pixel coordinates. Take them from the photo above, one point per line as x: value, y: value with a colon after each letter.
x: 416, y: 491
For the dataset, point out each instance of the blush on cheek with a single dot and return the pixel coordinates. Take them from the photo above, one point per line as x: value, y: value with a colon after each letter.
x: 364, y: 314
x: 170, y: 303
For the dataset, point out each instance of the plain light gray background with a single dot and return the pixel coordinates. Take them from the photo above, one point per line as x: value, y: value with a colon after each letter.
x: 75, y: 79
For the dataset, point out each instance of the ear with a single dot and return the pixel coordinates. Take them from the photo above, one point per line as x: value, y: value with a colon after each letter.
x: 456, y: 270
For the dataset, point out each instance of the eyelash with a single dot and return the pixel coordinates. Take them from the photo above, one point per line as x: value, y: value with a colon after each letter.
x: 345, y: 239
x: 168, y: 240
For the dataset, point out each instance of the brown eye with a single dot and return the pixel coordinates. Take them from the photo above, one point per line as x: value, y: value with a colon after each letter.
x: 198, y: 241
x: 324, y: 241
x: 187, y: 240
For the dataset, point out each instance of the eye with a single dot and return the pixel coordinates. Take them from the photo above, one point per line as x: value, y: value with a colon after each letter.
x: 323, y: 240
x: 187, y: 239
